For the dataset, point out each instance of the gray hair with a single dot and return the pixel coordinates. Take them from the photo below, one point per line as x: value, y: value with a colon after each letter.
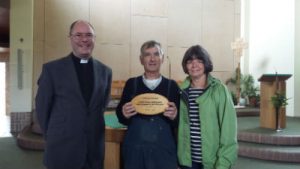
x: 151, y: 44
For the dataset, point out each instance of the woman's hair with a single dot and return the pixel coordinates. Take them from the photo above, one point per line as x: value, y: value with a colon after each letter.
x: 151, y: 44
x: 197, y: 52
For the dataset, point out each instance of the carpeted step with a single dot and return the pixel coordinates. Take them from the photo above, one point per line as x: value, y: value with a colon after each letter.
x: 249, y: 131
x: 247, y: 111
x: 268, y: 144
x: 269, y: 138
x: 29, y: 140
x: 270, y: 152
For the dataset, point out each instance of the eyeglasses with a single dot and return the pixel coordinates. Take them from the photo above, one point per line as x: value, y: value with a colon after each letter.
x: 149, y: 54
x: 79, y: 36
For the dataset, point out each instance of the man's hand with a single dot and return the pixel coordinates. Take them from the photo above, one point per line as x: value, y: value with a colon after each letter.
x: 128, y: 110
x: 171, y: 111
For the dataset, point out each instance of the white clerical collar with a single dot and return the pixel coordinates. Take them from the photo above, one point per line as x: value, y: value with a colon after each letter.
x: 152, y: 83
x: 84, y: 61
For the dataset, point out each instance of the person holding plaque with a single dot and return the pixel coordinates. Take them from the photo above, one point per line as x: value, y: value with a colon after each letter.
x: 148, y: 107
x: 207, y: 131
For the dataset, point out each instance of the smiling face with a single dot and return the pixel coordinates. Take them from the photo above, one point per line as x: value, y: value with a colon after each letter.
x: 82, y: 39
x: 195, y: 68
x: 151, y: 59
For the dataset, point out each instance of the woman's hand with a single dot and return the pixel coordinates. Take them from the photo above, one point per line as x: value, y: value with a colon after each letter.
x: 171, y: 111
x: 128, y: 110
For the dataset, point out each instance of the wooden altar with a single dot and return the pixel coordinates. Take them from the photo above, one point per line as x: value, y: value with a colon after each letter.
x: 113, y: 140
x: 114, y: 134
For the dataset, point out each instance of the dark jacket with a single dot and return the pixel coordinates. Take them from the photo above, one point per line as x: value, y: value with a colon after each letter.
x: 73, y: 130
x: 149, y: 141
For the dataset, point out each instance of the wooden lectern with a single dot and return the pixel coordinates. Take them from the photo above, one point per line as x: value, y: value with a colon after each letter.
x: 269, y: 84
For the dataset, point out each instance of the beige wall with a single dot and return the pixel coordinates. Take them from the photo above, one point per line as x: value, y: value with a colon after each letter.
x: 123, y: 25
x: 21, y: 39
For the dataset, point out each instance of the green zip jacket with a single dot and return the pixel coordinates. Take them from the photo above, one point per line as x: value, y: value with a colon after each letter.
x: 218, y: 127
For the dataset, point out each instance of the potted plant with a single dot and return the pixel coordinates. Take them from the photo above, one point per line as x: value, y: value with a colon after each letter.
x: 279, y: 101
x: 233, y: 84
x: 249, y: 90
x: 254, y: 100
x: 233, y: 96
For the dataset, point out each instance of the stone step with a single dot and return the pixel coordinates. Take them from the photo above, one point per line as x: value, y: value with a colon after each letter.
x: 270, y: 152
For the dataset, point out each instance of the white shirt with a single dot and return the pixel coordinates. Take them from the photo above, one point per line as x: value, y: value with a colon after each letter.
x: 152, y: 83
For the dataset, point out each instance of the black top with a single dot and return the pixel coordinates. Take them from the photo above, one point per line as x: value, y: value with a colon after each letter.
x: 85, y: 74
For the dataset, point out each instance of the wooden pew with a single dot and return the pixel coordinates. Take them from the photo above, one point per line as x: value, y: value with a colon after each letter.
x: 117, y: 87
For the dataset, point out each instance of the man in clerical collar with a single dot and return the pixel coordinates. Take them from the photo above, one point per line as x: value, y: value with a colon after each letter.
x: 72, y: 95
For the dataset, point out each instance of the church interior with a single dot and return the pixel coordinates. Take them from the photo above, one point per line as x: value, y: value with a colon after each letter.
x: 253, y: 45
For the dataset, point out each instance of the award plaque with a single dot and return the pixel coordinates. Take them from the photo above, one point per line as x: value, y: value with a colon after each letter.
x: 150, y: 103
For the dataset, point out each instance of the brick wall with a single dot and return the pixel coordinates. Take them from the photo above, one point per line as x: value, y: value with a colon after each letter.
x: 18, y: 120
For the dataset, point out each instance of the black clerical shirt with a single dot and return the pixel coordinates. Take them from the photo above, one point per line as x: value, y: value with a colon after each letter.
x: 85, y: 74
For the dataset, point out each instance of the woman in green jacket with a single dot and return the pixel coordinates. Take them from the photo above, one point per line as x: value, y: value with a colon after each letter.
x: 207, y: 126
